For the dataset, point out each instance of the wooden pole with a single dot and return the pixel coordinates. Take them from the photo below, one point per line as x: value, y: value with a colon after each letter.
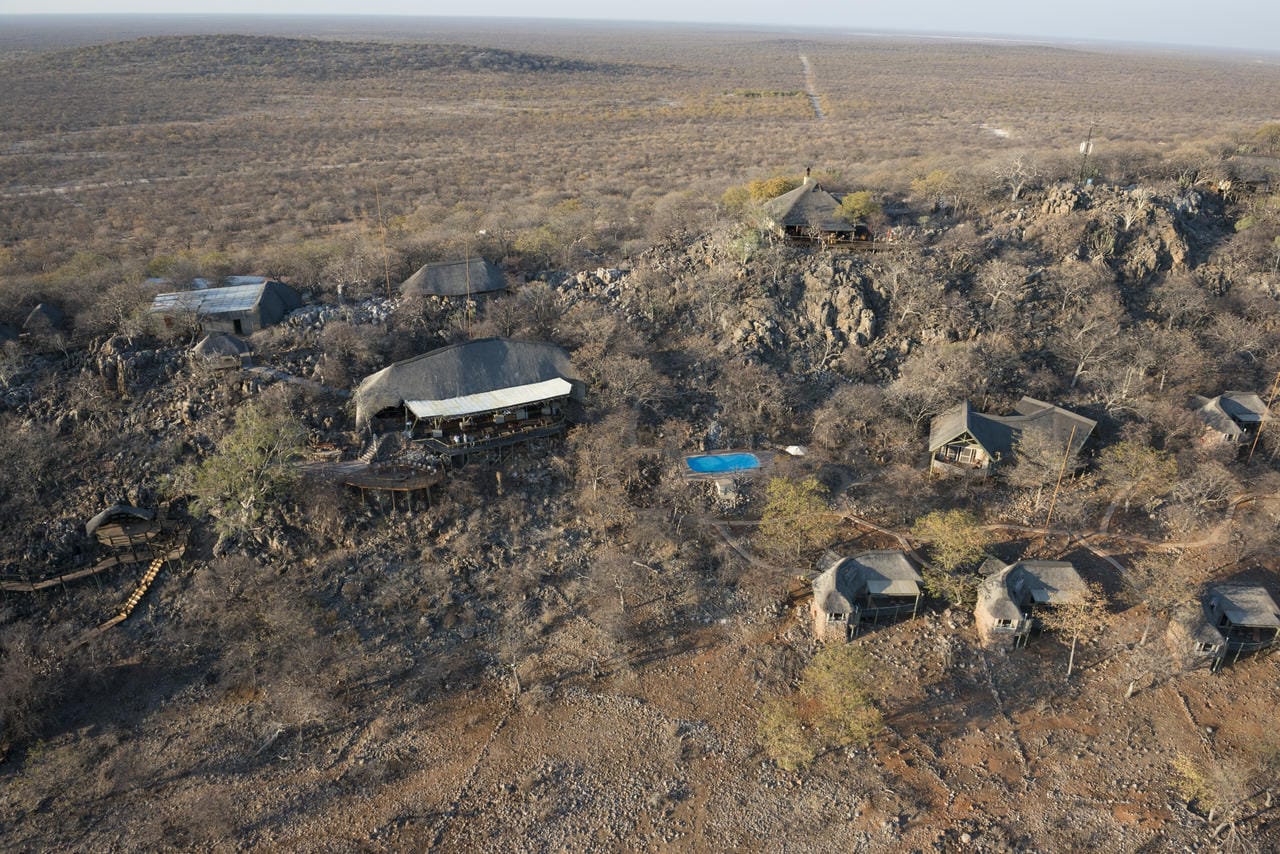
x: 382, y: 231
x: 1066, y: 455
x: 1256, y: 436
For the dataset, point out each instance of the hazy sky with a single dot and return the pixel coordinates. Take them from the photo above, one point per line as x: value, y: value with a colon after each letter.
x: 1249, y: 24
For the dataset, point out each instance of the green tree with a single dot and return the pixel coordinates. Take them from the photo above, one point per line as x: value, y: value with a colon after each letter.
x: 740, y: 199
x: 831, y: 708
x: 796, y: 517
x: 955, y: 538
x: 834, y: 694
x: 784, y: 736
x: 250, y: 471
x: 859, y: 207
x: 939, y: 188
x: 1268, y: 137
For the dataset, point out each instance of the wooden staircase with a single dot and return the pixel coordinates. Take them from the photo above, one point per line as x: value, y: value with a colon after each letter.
x: 144, y: 584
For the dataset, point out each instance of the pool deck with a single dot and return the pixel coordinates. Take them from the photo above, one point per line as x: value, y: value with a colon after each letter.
x: 764, y: 457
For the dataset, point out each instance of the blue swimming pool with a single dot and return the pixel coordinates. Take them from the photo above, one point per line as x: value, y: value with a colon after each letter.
x: 722, y: 463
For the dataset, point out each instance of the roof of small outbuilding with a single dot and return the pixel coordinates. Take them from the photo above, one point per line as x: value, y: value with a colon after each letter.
x: 220, y: 344
x: 456, y: 279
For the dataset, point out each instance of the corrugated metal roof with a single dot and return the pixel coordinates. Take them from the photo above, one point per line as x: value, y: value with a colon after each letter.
x: 211, y: 301
x: 490, y: 401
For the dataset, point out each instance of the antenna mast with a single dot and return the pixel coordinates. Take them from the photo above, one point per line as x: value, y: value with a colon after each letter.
x: 1086, y: 148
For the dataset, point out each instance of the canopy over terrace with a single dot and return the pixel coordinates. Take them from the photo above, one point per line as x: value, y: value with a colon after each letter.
x: 491, y: 401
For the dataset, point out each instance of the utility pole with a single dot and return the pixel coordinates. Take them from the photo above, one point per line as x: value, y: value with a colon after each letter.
x: 1066, y: 455
x: 382, y: 231
x: 1275, y: 386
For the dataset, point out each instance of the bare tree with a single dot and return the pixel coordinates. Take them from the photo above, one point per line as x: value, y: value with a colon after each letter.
x: 1082, y: 618
x: 1019, y: 174
x: 934, y: 378
x: 1089, y: 335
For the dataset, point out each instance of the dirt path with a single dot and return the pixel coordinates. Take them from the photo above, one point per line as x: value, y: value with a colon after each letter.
x: 811, y: 87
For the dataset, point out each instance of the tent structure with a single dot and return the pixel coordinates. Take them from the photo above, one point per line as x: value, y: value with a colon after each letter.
x: 123, y: 525
x: 471, y: 277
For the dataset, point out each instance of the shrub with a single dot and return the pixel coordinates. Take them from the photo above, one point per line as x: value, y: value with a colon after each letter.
x: 251, y: 471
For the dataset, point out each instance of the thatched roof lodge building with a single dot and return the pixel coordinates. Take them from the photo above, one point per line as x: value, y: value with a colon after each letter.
x: 1232, y: 417
x: 1010, y: 595
x: 472, y: 396
x: 1232, y: 620
x: 970, y: 443
x: 811, y: 213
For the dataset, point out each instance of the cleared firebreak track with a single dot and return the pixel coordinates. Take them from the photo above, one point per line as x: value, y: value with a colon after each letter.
x: 811, y: 87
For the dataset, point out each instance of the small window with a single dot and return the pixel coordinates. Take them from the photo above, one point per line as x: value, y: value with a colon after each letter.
x: 1004, y: 624
x: 835, y: 618
x: 1205, y: 647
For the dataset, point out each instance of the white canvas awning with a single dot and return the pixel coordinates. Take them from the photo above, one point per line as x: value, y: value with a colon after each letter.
x: 491, y: 401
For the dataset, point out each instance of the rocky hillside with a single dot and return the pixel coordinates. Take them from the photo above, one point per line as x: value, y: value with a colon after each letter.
x: 577, y: 647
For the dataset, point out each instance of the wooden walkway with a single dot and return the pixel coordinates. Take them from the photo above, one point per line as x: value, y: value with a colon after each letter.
x: 156, y: 555
x: 124, y: 557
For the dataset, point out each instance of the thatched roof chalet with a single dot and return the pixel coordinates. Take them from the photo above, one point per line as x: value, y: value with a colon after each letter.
x: 1009, y: 592
x: 1233, y: 415
x: 992, y: 438
x: 809, y: 211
